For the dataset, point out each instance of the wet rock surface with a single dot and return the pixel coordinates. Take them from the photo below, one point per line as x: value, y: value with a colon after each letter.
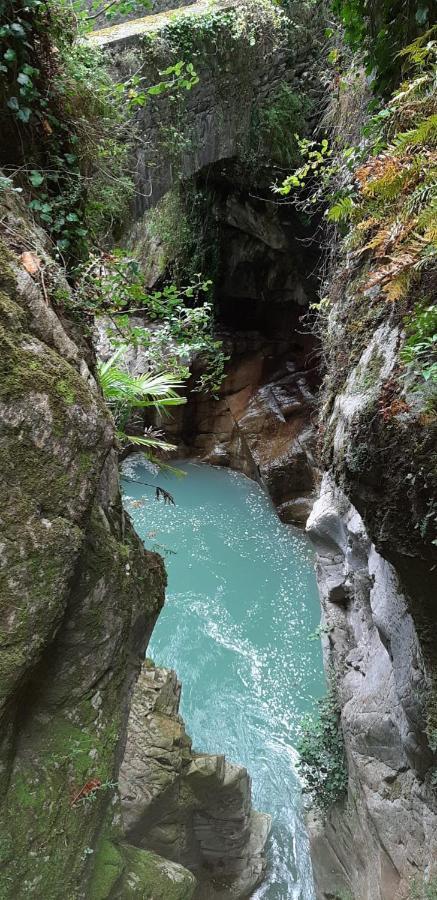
x: 192, y: 808
x: 259, y: 426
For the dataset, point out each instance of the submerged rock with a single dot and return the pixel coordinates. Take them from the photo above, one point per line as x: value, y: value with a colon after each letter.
x: 193, y: 808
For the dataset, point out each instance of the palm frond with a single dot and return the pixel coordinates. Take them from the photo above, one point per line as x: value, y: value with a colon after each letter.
x: 124, y: 393
x: 141, y: 441
x: 157, y: 390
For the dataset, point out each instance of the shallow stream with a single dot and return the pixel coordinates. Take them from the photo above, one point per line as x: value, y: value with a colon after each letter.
x: 239, y: 628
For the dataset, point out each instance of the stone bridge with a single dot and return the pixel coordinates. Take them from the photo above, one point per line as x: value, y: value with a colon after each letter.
x: 242, y: 51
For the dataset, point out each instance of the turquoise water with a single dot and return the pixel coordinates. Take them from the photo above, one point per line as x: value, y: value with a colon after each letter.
x: 242, y: 605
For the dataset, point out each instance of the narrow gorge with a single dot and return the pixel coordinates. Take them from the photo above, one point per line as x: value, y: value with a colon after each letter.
x: 218, y: 431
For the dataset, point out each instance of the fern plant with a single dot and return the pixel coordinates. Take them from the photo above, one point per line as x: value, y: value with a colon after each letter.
x: 125, y: 393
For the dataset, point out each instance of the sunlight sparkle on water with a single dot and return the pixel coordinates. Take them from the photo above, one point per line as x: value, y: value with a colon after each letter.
x: 241, y: 607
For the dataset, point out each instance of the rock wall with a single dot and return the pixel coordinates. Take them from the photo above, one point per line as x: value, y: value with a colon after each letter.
x: 79, y: 593
x: 192, y: 808
x: 383, y: 838
x: 261, y: 424
x: 263, y: 421
x: 375, y: 532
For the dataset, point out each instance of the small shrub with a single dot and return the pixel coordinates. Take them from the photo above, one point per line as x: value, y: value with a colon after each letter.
x: 322, y: 761
x: 274, y: 127
x: 420, y: 348
x: 185, y: 318
x: 421, y: 890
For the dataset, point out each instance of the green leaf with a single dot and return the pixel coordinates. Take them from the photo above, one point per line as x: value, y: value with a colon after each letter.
x: 24, y: 114
x: 422, y: 15
x: 36, y: 178
x: 18, y: 30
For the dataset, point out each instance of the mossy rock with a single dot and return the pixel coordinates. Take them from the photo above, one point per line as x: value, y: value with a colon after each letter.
x: 127, y: 873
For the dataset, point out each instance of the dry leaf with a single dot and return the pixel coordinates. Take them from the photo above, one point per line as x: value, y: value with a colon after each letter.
x: 30, y: 262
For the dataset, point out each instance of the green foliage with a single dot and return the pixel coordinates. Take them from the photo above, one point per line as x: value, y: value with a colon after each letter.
x: 423, y: 890
x: 322, y: 762
x: 68, y: 133
x: 210, y: 34
x: 87, y: 14
x: 187, y: 231
x: 34, y: 40
x: 125, y: 393
x: 178, y: 77
x: 317, y: 163
x: 385, y: 191
x: 380, y: 30
x: 68, y: 149
x: 185, y: 319
x: 273, y: 133
x: 317, y: 180
x: 340, y: 211
x: 420, y: 348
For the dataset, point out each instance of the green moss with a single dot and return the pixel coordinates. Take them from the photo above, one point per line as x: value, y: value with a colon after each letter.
x: 128, y: 873
x: 7, y: 276
x: 187, y: 231
x: 39, y: 370
x: 149, y: 877
x: 108, y: 867
x: 274, y: 125
x: 85, y: 461
x: 28, y: 795
x: 11, y: 313
x: 65, y: 390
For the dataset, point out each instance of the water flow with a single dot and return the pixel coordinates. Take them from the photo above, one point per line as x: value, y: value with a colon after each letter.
x: 238, y: 627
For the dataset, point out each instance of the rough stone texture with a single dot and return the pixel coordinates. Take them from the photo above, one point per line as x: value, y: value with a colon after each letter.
x: 190, y: 807
x: 156, y: 7
x: 79, y: 597
x: 376, y: 535
x: 385, y: 834
x: 261, y: 425
x: 241, y: 52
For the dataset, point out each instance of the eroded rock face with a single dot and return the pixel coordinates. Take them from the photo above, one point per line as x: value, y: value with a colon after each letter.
x: 384, y: 836
x: 262, y: 426
x: 79, y: 597
x: 190, y: 807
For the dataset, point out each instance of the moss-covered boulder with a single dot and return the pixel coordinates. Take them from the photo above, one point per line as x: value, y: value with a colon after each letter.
x: 128, y: 873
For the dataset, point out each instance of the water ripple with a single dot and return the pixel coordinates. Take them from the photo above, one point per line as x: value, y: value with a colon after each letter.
x: 242, y: 603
